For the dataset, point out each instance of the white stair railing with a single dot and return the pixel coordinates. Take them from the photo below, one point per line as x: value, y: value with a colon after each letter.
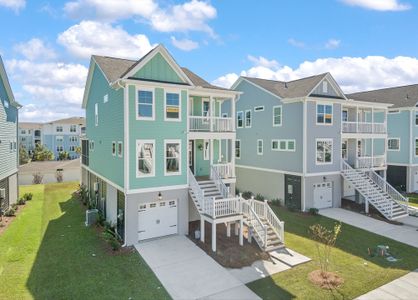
x: 259, y: 230
x: 198, y: 192
x: 219, y: 183
x: 273, y: 220
x: 224, y: 170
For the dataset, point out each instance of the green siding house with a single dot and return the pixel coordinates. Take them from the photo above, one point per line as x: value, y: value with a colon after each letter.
x: 158, y: 151
x: 8, y: 142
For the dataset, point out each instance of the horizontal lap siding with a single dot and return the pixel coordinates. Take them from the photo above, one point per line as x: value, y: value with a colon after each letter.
x: 399, y: 127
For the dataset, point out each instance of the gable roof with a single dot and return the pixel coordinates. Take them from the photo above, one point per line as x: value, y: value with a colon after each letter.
x: 72, y: 120
x: 299, y: 88
x: 5, y: 79
x: 199, y: 81
x: 113, y: 68
x: 400, y: 96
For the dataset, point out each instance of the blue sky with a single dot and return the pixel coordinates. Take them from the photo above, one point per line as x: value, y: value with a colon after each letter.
x: 46, y: 46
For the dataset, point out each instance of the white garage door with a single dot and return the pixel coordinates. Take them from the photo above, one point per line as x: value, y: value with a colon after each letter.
x: 323, y: 195
x: 157, y: 219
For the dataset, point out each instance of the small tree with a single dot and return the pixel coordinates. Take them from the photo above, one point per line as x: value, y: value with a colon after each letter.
x: 37, y: 178
x: 23, y: 155
x: 63, y: 155
x: 326, y: 240
x: 41, y: 153
x: 78, y: 150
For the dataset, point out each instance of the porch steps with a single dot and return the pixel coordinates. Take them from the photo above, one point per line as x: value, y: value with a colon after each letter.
x: 389, y: 207
x: 273, y: 240
x: 210, y: 189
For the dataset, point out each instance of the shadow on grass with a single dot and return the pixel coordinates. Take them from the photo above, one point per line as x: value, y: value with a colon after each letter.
x: 72, y: 262
x: 352, y: 240
x: 267, y: 289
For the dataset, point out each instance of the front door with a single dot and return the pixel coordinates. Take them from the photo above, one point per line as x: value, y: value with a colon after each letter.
x: 293, y: 192
x: 191, y: 155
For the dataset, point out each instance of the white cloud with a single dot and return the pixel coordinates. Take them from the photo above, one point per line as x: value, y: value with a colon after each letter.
x: 15, y: 5
x: 352, y: 73
x: 332, y: 44
x: 296, y: 43
x: 35, y: 49
x: 380, y: 5
x: 184, y: 44
x: 90, y: 37
x: 189, y: 16
x: 48, y: 90
x: 262, y: 61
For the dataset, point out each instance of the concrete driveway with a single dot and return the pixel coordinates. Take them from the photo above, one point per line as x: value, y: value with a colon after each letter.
x: 406, y: 234
x: 187, y: 272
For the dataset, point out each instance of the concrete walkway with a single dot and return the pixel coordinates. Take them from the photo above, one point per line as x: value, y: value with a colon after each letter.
x: 406, y: 234
x: 187, y: 272
x: 405, y: 287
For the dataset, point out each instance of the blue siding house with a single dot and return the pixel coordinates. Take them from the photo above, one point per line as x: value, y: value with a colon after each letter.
x: 8, y: 142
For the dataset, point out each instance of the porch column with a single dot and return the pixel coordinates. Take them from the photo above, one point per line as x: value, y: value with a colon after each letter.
x: 366, y: 205
x: 372, y: 152
x: 211, y: 153
x: 228, y: 229
x: 233, y: 114
x: 233, y: 156
x: 211, y: 112
x: 236, y: 225
x: 357, y: 119
x: 213, y: 236
x: 241, y: 232
x: 202, y: 229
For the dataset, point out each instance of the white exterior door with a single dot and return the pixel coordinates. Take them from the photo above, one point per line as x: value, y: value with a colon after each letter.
x: 323, y: 195
x: 157, y: 219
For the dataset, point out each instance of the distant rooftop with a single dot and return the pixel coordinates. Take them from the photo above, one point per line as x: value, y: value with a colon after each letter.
x: 72, y: 120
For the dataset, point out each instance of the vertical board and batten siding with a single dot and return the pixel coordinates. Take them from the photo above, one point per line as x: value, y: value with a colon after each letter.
x: 262, y: 128
x: 110, y: 128
x: 399, y: 127
x: 331, y: 92
x: 158, y: 130
x: 158, y: 69
x: 315, y: 132
x: 8, y: 133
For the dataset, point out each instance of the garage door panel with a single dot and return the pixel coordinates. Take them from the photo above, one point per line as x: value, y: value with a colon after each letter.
x: 322, y: 195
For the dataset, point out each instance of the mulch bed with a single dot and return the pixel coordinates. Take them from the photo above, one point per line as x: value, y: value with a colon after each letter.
x: 360, y: 208
x: 228, y: 251
x: 325, y: 280
x: 6, y: 221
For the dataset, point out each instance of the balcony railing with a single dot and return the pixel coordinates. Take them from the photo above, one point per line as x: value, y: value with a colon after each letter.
x: 367, y: 162
x: 363, y: 127
x: 211, y: 124
x: 224, y: 170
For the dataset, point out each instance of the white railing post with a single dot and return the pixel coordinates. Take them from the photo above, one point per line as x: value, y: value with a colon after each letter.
x: 213, y: 208
x: 265, y: 209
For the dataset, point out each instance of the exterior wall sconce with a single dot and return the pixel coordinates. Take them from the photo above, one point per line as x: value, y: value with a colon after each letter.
x: 160, y: 196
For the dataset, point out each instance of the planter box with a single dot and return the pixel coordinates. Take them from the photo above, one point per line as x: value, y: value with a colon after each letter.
x: 91, y: 216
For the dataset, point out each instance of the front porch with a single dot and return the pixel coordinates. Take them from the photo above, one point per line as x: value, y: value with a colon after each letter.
x: 364, y: 153
x: 363, y: 120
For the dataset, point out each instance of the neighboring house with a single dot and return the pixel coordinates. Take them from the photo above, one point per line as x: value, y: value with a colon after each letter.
x: 307, y: 144
x: 58, y: 136
x: 8, y: 142
x: 402, y: 143
x: 158, y: 147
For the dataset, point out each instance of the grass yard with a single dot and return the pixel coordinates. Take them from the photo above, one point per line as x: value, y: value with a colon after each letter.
x: 47, y: 253
x: 350, y: 260
x: 413, y: 199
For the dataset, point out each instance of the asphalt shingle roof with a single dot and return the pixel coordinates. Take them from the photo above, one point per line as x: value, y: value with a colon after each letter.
x: 401, y: 96
x: 291, y: 89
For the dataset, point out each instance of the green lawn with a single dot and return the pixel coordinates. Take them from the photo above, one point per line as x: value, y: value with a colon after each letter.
x: 47, y: 253
x: 413, y: 199
x: 350, y: 259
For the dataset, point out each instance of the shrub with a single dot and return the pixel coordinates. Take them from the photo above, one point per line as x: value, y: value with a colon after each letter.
x: 59, y: 176
x: 14, y: 206
x: 313, y: 211
x: 37, y: 178
x: 247, y: 194
x: 259, y: 197
x: 10, y: 212
x: 27, y: 196
x: 112, y: 239
x: 276, y: 202
x: 237, y: 191
x: 21, y: 201
x: 101, y: 219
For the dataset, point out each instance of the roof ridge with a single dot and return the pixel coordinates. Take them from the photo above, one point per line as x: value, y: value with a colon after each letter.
x: 279, y: 81
x: 385, y: 88
x: 113, y: 57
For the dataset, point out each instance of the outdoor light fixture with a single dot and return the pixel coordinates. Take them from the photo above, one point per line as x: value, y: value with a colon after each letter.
x: 160, y: 196
x: 324, y: 178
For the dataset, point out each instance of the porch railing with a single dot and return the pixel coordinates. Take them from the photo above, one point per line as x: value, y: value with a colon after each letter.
x: 363, y: 127
x: 214, y: 175
x: 367, y: 162
x: 224, y: 170
x: 211, y: 124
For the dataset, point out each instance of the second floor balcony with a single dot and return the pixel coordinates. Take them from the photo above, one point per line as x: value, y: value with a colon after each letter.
x: 211, y: 124
x: 364, y: 127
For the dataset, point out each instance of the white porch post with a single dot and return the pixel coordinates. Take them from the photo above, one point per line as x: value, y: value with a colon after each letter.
x: 241, y: 232
x: 211, y: 153
x: 202, y: 230
x: 366, y: 204
x: 211, y: 112
x: 372, y: 152
x: 233, y: 114
x: 214, y: 236
x: 228, y: 229
x: 373, y: 129
x: 233, y: 156
x: 236, y: 228
x: 357, y: 119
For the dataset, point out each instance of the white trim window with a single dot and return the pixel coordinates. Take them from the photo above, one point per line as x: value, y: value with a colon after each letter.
x: 324, y: 114
x: 277, y: 115
x: 60, y: 148
x: 205, y: 150
x: 172, y: 107
x: 73, y: 139
x: 72, y: 148
x: 260, y: 147
x: 59, y: 129
x: 394, y: 144
x: 96, y: 114
x: 283, y: 145
x: 205, y: 107
x: 73, y: 128
x: 145, y: 158
x: 114, y: 148
x: 145, y: 105
x: 237, y: 149
x: 248, y: 118
x: 172, y: 157
x: 259, y: 108
x: 344, y: 115
x: 240, y: 119
x: 59, y: 139
x: 106, y: 98
x: 120, y: 149
x: 416, y: 118
x: 23, y: 131
x: 324, y: 151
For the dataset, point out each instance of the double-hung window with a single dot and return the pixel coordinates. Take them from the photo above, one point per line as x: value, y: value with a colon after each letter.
x: 120, y: 149
x: 172, y: 106
x: 145, y: 153
x: 172, y: 157
x: 277, y: 115
x: 114, y: 148
x: 240, y: 119
x: 60, y: 148
x: 205, y: 108
x: 394, y: 144
x: 416, y: 147
x: 416, y: 117
x: 237, y: 149
x: 248, y: 118
x: 260, y: 147
x: 324, y: 151
x: 283, y: 145
x: 59, y: 129
x: 145, y: 105
x: 73, y: 128
x: 324, y: 114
